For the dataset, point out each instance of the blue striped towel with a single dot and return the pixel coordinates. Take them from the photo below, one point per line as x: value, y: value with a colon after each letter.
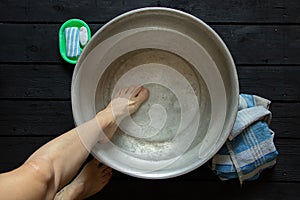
x: 72, y: 42
x: 250, y: 148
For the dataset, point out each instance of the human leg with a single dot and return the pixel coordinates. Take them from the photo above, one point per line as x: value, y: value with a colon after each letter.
x: 54, y: 165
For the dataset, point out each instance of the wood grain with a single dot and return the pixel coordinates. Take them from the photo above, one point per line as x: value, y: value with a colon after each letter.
x: 171, y: 189
x: 217, y: 11
x: 42, y: 118
x: 18, y: 149
x: 263, y: 37
x: 36, y: 81
x: 249, y: 44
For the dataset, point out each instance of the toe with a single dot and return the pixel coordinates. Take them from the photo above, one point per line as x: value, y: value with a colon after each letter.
x: 132, y: 90
x: 106, y: 177
x: 136, y: 91
x: 119, y: 93
x: 142, y: 95
x: 104, y: 169
x: 95, y: 161
x: 124, y: 91
x: 108, y: 171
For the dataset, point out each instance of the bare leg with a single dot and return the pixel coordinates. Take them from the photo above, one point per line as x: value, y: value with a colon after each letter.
x: 96, y: 182
x: 53, y: 165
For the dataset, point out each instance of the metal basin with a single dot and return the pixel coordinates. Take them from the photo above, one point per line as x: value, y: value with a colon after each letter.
x: 193, y: 91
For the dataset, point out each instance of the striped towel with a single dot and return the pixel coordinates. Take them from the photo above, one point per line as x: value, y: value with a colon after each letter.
x: 250, y: 148
x: 72, y: 42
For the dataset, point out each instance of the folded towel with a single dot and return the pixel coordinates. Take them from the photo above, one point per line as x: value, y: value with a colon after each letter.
x: 72, y: 42
x: 250, y: 148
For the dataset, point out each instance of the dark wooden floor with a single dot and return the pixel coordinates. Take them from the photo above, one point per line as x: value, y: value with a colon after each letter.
x: 263, y: 36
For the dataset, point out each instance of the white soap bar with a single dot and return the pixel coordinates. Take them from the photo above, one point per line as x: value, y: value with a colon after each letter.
x: 83, y: 36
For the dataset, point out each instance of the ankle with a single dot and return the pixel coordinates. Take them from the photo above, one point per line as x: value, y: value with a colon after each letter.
x: 105, y: 118
x: 78, y: 191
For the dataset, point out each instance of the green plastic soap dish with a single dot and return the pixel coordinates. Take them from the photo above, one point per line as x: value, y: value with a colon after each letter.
x: 62, y: 40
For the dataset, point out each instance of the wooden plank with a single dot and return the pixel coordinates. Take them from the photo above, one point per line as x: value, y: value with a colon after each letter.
x: 32, y: 43
x: 170, y: 189
x: 231, y: 11
x: 277, y: 83
x: 285, y: 119
x: 263, y: 36
x: 262, y: 44
x: 15, y: 150
x: 35, y: 117
x: 18, y: 149
x: 36, y: 81
x: 249, y: 44
x: 52, y: 118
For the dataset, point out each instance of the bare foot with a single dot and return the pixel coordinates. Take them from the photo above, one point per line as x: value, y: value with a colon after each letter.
x: 92, y: 178
x: 125, y: 102
x: 128, y: 100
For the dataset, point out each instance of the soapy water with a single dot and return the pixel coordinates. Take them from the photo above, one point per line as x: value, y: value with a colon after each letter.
x: 167, y: 123
x: 152, y: 133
